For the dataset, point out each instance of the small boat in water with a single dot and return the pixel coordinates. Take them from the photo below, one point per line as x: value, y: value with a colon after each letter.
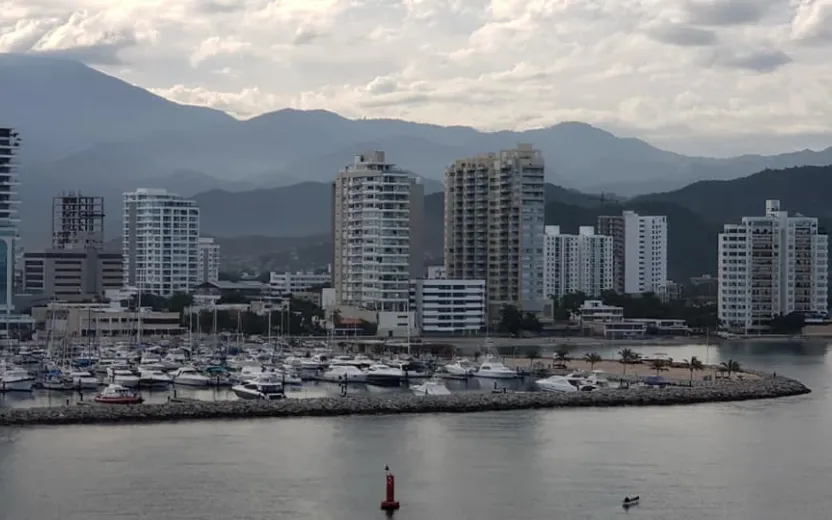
x: 117, y: 394
x: 430, y: 387
x: 630, y: 501
x: 265, y: 386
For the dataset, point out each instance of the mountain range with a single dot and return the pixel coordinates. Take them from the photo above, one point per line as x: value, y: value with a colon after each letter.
x: 695, y: 214
x: 85, y: 131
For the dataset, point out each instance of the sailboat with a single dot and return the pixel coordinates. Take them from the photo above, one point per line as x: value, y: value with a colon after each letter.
x: 53, y: 377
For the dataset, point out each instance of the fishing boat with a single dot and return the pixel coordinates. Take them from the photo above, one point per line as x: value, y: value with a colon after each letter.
x: 117, y: 394
x: 630, y: 501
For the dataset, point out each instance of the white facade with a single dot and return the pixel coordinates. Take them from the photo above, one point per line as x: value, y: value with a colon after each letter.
x: 436, y: 272
x: 160, y: 243
x: 377, y: 234
x: 10, y: 257
x: 577, y: 263
x: 645, y: 253
x: 281, y: 284
x: 209, y: 260
x: 769, y: 266
x: 449, y: 306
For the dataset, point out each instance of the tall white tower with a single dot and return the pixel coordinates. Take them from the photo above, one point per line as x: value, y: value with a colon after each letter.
x: 160, y: 244
x: 377, y: 232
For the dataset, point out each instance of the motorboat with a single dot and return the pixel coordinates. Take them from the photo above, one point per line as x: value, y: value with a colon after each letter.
x: 250, y: 371
x: 152, y: 377
x: 15, y: 379
x: 189, y: 376
x: 430, y: 387
x: 55, y: 380
x: 459, y: 369
x: 384, y: 375
x: 630, y: 501
x: 84, y: 380
x: 358, y: 361
x: 264, y: 386
x: 118, y: 394
x: 123, y: 375
x: 411, y: 369
x: 555, y: 384
x: 495, y: 370
x: 342, y: 373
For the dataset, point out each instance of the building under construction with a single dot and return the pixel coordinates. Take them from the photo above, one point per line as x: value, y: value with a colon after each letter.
x: 77, y: 222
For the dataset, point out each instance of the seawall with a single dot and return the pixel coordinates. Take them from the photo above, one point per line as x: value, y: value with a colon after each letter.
x: 765, y: 388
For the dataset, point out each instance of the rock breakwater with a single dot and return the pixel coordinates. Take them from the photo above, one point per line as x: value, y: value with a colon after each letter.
x: 765, y: 388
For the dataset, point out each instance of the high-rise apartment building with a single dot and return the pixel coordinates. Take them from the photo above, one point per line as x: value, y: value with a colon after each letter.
x: 77, y: 222
x: 378, y: 212
x: 639, y: 251
x: 160, y: 244
x: 209, y: 260
x: 613, y: 226
x: 9, y: 146
x: 771, y: 265
x: 577, y: 263
x: 494, y: 227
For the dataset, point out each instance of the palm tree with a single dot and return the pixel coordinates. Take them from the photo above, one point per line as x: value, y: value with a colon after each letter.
x: 627, y: 355
x: 532, y: 354
x: 730, y: 366
x: 658, y: 365
x: 592, y: 358
x: 693, y: 364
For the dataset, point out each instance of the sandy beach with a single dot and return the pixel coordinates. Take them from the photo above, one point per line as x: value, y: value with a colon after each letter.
x: 612, y: 366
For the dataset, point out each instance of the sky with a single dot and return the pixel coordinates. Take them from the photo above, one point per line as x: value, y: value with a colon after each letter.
x: 716, y: 77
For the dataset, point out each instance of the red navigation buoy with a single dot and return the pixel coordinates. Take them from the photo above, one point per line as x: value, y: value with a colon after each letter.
x: 390, y: 503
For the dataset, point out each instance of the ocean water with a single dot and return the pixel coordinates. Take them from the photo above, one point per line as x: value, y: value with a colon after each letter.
x: 761, y: 460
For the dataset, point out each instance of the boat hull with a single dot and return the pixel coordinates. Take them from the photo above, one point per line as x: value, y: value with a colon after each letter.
x: 86, y: 384
x: 18, y: 385
x: 252, y: 396
x: 118, y: 400
x: 197, y: 382
x: 388, y: 381
x: 496, y: 375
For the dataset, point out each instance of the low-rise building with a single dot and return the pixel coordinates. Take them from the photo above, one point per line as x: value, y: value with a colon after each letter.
x: 445, y: 306
x: 73, y: 320
x: 282, y: 284
x: 596, y: 310
x: 71, y: 274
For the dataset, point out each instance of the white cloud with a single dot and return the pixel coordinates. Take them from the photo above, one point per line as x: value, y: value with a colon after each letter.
x: 675, y: 71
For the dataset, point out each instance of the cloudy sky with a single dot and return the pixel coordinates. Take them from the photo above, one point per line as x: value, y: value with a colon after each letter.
x: 714, y: 77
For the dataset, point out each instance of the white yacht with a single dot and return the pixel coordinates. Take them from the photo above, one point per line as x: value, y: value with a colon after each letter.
x: 430, y: 387
x: 57, y: 381
x: 84, y: 380
x: 122, y: 375
x: 384, y: 375
x: 153, y: 377
x: 459, y: 369
x: 495, y: 370
x: 15, y: 379
x: 189, y: 376
x: 574, y: 382
x: 264, y: 386
x: 555, y: 384
x: 341, y: 373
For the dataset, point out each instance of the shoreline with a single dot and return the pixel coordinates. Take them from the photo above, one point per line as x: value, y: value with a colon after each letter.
x: 723, y: 391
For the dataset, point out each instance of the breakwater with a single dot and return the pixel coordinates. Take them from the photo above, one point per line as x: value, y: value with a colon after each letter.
x: 764, y: 388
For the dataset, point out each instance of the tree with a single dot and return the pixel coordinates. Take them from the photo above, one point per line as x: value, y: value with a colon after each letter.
x: 532, y: 354
x: 336, y: 317
x: 658, y: 365
x: 179, y: 302
x: 562, y: 354
x: 531, y: 323
x: 511, y: 320
x: 791, y: 323
x: 694, y: 364
x: 730, y: 367
x: 592, y: 358
x: 627, y: 356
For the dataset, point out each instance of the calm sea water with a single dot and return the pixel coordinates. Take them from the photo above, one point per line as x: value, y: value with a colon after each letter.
x: 766, y: 460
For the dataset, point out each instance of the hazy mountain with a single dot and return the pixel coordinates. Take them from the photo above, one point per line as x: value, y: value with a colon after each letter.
x: 695, y: 214
x: 84, y: 130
